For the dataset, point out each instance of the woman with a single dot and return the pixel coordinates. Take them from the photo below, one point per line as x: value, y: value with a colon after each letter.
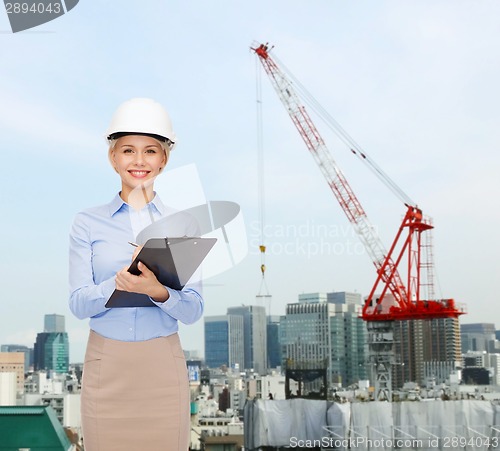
x: 135, y: 393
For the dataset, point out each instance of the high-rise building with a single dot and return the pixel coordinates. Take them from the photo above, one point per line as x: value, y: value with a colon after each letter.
x: 313, y: 298
x: 255, y: 336
x: 54, y: 323
x: 349, y: 363
x: 421, y: 345
x: 344, y: 297
x: 224, y: 341
x: 325, y: 328
x: 51, y: 350
x: 478, y: 337
x: 273, y: 342
x: 494, y: 365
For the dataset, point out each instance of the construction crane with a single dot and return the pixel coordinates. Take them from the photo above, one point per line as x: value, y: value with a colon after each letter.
x: 391, y: 297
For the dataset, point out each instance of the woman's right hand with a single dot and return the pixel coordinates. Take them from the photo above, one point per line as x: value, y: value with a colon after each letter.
x: 145, y: 283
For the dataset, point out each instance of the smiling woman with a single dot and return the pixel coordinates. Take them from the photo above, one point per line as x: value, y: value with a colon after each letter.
x: 138, y: 160
x: 127, y: 347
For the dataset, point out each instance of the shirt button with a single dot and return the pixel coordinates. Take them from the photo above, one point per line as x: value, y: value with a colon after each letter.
x: 130, y: 329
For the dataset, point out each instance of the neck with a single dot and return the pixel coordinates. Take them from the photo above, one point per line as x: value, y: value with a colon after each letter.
x: 138, y: 197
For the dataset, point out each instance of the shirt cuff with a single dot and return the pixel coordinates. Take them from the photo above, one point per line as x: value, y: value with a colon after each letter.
x: 108, y: 287
x: 173, y: 299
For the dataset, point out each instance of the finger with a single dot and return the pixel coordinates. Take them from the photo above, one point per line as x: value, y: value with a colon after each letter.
x: 122, y: 271
x: 146, y: 272
x: 136, y: 252
x: 124, y: 279
x: 120, y: 275
x: 120, y: 282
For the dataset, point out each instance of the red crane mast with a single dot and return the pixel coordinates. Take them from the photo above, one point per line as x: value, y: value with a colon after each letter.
x: 391, y: 298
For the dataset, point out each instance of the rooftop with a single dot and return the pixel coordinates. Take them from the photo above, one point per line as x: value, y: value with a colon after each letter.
x: 32, y: 427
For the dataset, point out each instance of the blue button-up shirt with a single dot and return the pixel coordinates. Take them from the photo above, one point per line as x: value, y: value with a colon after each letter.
x: 99, y: 249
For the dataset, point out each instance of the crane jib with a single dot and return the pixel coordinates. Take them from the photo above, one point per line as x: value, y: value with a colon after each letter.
x: 391, y: 298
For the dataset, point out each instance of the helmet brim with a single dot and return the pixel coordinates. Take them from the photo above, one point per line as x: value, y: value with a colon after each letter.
x: 118, y: 135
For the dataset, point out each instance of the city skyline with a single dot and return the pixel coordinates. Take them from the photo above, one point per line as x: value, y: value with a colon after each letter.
x: 479, y: 337
x: 414, y: 83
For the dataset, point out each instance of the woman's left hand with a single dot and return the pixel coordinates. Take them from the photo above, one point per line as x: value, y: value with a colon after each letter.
x: 136, y: 252
x: 145, y: 283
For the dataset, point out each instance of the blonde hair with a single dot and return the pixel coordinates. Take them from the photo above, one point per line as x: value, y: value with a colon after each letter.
x: 163, y: 145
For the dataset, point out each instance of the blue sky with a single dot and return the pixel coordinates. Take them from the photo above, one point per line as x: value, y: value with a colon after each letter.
x: 414, y: 82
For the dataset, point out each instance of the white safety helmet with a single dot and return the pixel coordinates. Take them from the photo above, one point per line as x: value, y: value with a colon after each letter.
x: 142, y: 116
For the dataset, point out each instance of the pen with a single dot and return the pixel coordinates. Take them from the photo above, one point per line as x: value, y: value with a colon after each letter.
x: 133, y: 244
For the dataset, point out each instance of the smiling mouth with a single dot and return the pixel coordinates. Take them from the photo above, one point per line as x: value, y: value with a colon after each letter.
x: 139, y: 174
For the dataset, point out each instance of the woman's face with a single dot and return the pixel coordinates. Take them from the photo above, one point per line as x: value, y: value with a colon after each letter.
x: 138, y: 160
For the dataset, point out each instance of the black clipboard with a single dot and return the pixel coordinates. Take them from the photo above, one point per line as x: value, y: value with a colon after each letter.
x: 172, y: 260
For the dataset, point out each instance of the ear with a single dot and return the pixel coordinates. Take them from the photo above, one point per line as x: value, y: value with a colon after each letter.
x: 165, y: 158
x: 111, y: 158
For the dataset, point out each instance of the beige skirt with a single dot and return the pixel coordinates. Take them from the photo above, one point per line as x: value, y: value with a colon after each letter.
x: 135, y: 395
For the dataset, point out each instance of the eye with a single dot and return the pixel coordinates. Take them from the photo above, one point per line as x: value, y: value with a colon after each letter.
x: 127, y: 150
x: 151, y: 150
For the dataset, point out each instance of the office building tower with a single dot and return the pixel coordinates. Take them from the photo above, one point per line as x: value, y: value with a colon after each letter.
x: 494, y: 366
x: 325, y: 328
x: 51, y: 350
x: 344, y: 297
x: 273, y: 342
x: 255, y: 336
x: 224, y: 341
x: 478, y: 337
x: 421, y: 345
x: 313, y: 298
x: 54, y: 323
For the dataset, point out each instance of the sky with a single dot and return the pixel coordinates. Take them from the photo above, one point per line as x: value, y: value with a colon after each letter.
x: 414, y: 82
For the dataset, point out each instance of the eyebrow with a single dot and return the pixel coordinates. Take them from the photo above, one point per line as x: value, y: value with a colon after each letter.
x: 146, y: 147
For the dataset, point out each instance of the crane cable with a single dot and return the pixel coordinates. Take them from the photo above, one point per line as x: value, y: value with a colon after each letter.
x: 260, y: 180
x: 355, y: 148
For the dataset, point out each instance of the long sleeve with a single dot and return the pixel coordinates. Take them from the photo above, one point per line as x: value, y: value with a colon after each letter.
x: 185, y: 306
x: 87, y: 298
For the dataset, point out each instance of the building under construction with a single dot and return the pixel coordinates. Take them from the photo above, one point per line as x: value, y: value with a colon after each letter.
x: 426, y: 349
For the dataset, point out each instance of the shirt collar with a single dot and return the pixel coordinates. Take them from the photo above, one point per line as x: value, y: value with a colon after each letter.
x: 117, y: 203
x: 158, y: 205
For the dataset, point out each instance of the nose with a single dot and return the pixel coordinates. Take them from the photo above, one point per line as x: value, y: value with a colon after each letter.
x: 139, y: 159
